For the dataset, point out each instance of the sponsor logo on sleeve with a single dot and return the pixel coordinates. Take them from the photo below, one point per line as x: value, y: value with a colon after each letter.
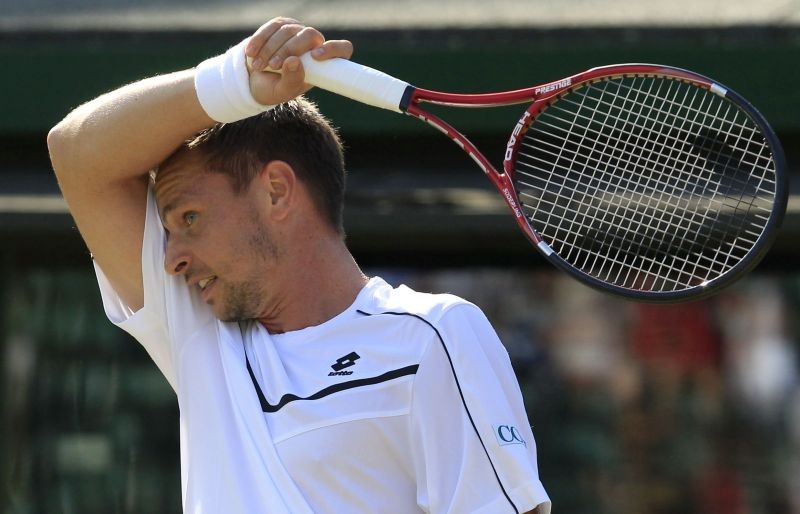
x: 508, y: 434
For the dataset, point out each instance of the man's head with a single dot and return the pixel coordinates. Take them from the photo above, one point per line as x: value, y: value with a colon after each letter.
x: 294, y: 132
x: 235, y: 197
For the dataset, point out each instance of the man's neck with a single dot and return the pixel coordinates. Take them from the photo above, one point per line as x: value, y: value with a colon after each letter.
x: 316, y: 284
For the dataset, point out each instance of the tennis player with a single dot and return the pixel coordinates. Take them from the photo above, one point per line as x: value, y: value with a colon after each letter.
x: 211, y: 201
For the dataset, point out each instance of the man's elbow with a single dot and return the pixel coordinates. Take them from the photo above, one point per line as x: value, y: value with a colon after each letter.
x: 62, y: 146
x: 57, y: 144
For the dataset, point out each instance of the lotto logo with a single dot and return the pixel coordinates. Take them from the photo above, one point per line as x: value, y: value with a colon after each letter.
x: 346, y: 361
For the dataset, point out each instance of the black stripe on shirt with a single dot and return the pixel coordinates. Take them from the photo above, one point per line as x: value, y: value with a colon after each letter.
x: 342, y: 386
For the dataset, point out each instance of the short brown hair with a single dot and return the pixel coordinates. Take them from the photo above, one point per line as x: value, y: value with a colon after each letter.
x: 294, y: 132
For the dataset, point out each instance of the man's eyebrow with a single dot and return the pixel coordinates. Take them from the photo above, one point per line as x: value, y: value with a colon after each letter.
x: 166, y: 210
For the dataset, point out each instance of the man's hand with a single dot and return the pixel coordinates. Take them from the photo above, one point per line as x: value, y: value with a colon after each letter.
x: 276, y: 45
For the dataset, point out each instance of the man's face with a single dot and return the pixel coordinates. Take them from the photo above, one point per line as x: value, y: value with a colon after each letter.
x: 216, y: 239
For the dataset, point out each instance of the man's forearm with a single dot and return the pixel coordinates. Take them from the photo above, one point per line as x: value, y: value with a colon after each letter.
x: 101, y: 153
x: 125, y: 133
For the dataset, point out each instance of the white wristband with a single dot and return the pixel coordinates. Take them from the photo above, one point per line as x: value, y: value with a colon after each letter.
x: 222, y: 84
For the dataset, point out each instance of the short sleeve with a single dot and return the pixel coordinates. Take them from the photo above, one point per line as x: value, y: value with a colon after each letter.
x: 171, y: 312
x: 474, y: 450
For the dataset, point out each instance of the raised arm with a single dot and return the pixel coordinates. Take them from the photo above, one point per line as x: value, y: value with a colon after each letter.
x: 103, y: 151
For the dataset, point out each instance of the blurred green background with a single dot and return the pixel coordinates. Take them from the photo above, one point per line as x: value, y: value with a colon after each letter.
x: 637, y: 409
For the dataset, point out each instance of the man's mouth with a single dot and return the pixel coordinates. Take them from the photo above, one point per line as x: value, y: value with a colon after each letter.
x: 206, y: 282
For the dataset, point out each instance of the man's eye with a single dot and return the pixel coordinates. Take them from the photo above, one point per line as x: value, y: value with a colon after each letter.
x: 189, y: 218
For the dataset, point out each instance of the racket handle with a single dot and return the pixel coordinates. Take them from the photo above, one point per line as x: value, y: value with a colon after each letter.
x: 355, y: 81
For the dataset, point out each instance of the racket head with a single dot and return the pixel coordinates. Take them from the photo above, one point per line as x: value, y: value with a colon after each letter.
x: 647, y: 181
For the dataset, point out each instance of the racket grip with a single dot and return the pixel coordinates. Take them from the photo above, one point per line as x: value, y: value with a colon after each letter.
x: 355, y: 81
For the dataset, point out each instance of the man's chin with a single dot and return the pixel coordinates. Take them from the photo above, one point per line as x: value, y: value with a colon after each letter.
x: 232, y: 305
x: 220, y: 312
x: 227, y: 316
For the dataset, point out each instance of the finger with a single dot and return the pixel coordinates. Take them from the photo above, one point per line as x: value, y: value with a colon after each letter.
x: 301, y: 42
x: 292, y: 74
x: 278, y: 88
x: 335, y: 48
x: 277, y: 40
x: 264, y: 32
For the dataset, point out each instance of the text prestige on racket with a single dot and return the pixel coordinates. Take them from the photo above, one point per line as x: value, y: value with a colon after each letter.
x: 211, y: 201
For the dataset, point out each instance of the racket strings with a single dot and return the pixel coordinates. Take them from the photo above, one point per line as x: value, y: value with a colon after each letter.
x: 622, y: 220
x: 708, y: 121
x: 695, y: 270
x: 673, y: 140
x: 590, y: 258
x: 662, y: 242
x: 669, y: 140
x: 615, y: 215
x: 646, y: 182
x: 634, y: 108
x: 679, y: 182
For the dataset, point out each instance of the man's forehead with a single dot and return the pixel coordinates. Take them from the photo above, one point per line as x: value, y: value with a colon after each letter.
x: 178, y: 177
x: 183, y: 161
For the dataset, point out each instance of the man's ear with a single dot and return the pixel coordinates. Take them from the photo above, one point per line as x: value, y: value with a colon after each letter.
x: 280, y: 183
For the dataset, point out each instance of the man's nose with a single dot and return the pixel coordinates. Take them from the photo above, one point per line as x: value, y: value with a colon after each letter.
x: 178, y: 258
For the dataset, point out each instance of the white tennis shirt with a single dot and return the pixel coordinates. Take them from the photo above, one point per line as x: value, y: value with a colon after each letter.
x: 403, y: 403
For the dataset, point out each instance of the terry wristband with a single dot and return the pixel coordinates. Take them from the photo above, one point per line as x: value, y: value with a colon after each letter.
x: 222, y: 84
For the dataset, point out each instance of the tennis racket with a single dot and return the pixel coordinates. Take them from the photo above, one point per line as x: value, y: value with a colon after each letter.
x: 647, y: 181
